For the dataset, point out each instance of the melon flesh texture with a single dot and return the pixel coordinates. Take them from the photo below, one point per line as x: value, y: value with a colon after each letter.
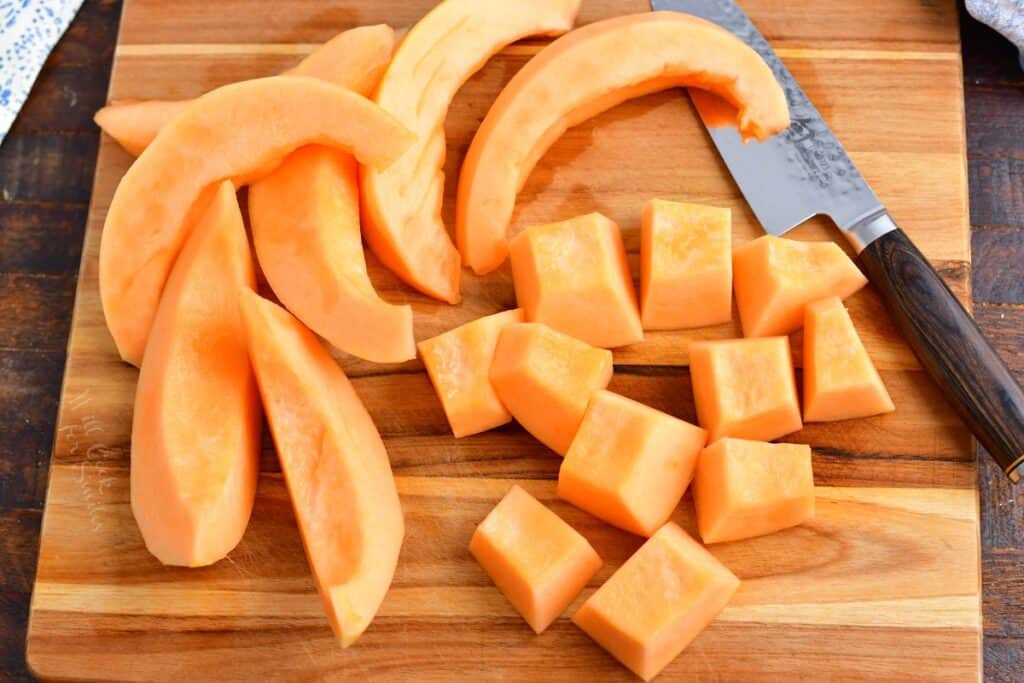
x: 334, y: 464
x: 305, y: 227
x: 459, y: 365
x: 840, y: 381
x: 574, y: 79
x: 537, y: 560
x: 573, y: 276
x: 776, y: 277
x: 745, y: 388
x: 629, y: 463
x: 657, y: 602
x: 545, y: 379
x: 685, y: 265
x: 196, y: 426
x: 750, y: 488
x: 403, y: 203
x: 354, y: 59
x: 238, y: 132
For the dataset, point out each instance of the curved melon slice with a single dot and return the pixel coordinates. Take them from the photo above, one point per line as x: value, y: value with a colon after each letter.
x: 196, y: 427
x: 582, y: 74
x: 353, y: 59
x: 237, y: 132
x: 403, y: 203
x: 334, y: 463
x: 305, y: 226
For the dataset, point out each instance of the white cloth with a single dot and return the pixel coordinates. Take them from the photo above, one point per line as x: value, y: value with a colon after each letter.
x: 1005, y: 16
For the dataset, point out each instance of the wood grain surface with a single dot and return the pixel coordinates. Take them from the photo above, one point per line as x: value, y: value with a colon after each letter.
x: 801, y: 626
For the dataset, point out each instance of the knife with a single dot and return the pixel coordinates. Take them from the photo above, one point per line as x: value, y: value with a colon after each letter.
x: 804, y: 171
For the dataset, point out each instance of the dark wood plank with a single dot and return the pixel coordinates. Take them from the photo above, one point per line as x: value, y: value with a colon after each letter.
x: 997, y: 195
x: 1003, y: 657
x: 35, y: 310
x: 988, y: 58
x: 997, y: 255
x: 73, y: 94
x: 41, y: 238
x: 19, y: 542
x: 54, y: 166
x: 998, y: 107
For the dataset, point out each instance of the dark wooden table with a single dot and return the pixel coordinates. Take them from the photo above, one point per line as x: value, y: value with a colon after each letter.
x: 46, y: 167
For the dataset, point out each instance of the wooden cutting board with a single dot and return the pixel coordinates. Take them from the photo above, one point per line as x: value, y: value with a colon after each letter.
x: 882, y: 585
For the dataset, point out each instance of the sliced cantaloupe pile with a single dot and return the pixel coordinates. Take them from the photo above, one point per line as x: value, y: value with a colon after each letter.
x: 685, y: 265
x: 629, y: 464
x: 353, y: 59
x: 745, y: 388
x: 750, y: 488
x: 545, y: 379
x: 657, y: 602
x: 776, y: 277
x: 534, y: 557
x: 305, y: 227
x: 840, y: 381
x: 459, y: 365
x: 157, y: 200
x: 403, y: 203
x: 334, y: 464
x: 196, y: 426
x: 572, y: 80
x: 573, y: 276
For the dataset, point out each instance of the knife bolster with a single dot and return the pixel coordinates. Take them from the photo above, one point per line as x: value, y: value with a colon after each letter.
x: 868, y: 229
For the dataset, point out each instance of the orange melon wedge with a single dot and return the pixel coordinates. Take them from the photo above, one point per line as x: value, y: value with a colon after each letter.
x: 840, y: 381
x: 776, y: 277
x: 196, y: 427
x: 582, y: 74
x: 537, y: 560
x: 154, y: 205
x: 353, y: 59
x: 334, y: 464
x: 657, y: 602
x: 403, y: 203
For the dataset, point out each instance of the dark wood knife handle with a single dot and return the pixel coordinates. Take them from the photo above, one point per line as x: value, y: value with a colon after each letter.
x: 971, y: 375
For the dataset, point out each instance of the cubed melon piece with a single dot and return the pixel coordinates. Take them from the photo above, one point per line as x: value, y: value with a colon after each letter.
x: 745, y: 388
x: 629, y: 463
x: 459, y: 365
x: 776, y: 277
x: 745, y: 488
x: 534, y: 557
x: 840, y: 381
x: 685, y: 265
x: 545, y: 379
x: 657, y: 602
x: 574, y: 277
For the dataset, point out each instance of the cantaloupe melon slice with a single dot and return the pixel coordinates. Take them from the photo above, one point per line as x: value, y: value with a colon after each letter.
x: 305, y: 226
x: 744, y: 489
x: 840, y: 381
x: 237, y: 132
x: 573, y: 276
x: 459, y: 365
x: 745, y: 388
x: 334, y: 463
x: 403, y: 203
x: 657, y: 602
x: 545, y: 379
x: 353, y: 59
x: 582, y: 74
x: 776, y: 277
x: 537, y: 560
x: 685, y: 265
x: 629, y: 463
x: 196, y: 426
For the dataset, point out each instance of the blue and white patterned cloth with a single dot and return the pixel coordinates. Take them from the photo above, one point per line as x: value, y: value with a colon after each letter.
x: 28, y: 31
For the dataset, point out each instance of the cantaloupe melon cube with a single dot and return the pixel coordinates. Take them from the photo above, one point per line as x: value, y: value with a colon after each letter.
x: 745, y: 388
x: 629, y: 463
x: 657, y: 602
x: 459, y: 364
x: 776, y: 277
x: 686, y: 265
x: 840, y: 381
x: 573, y: 276
x: 545, y: 379
x: 536, y: 559
x: 750, y: 488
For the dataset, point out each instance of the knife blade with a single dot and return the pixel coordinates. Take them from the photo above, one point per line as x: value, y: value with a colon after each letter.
x: 804, y: 171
